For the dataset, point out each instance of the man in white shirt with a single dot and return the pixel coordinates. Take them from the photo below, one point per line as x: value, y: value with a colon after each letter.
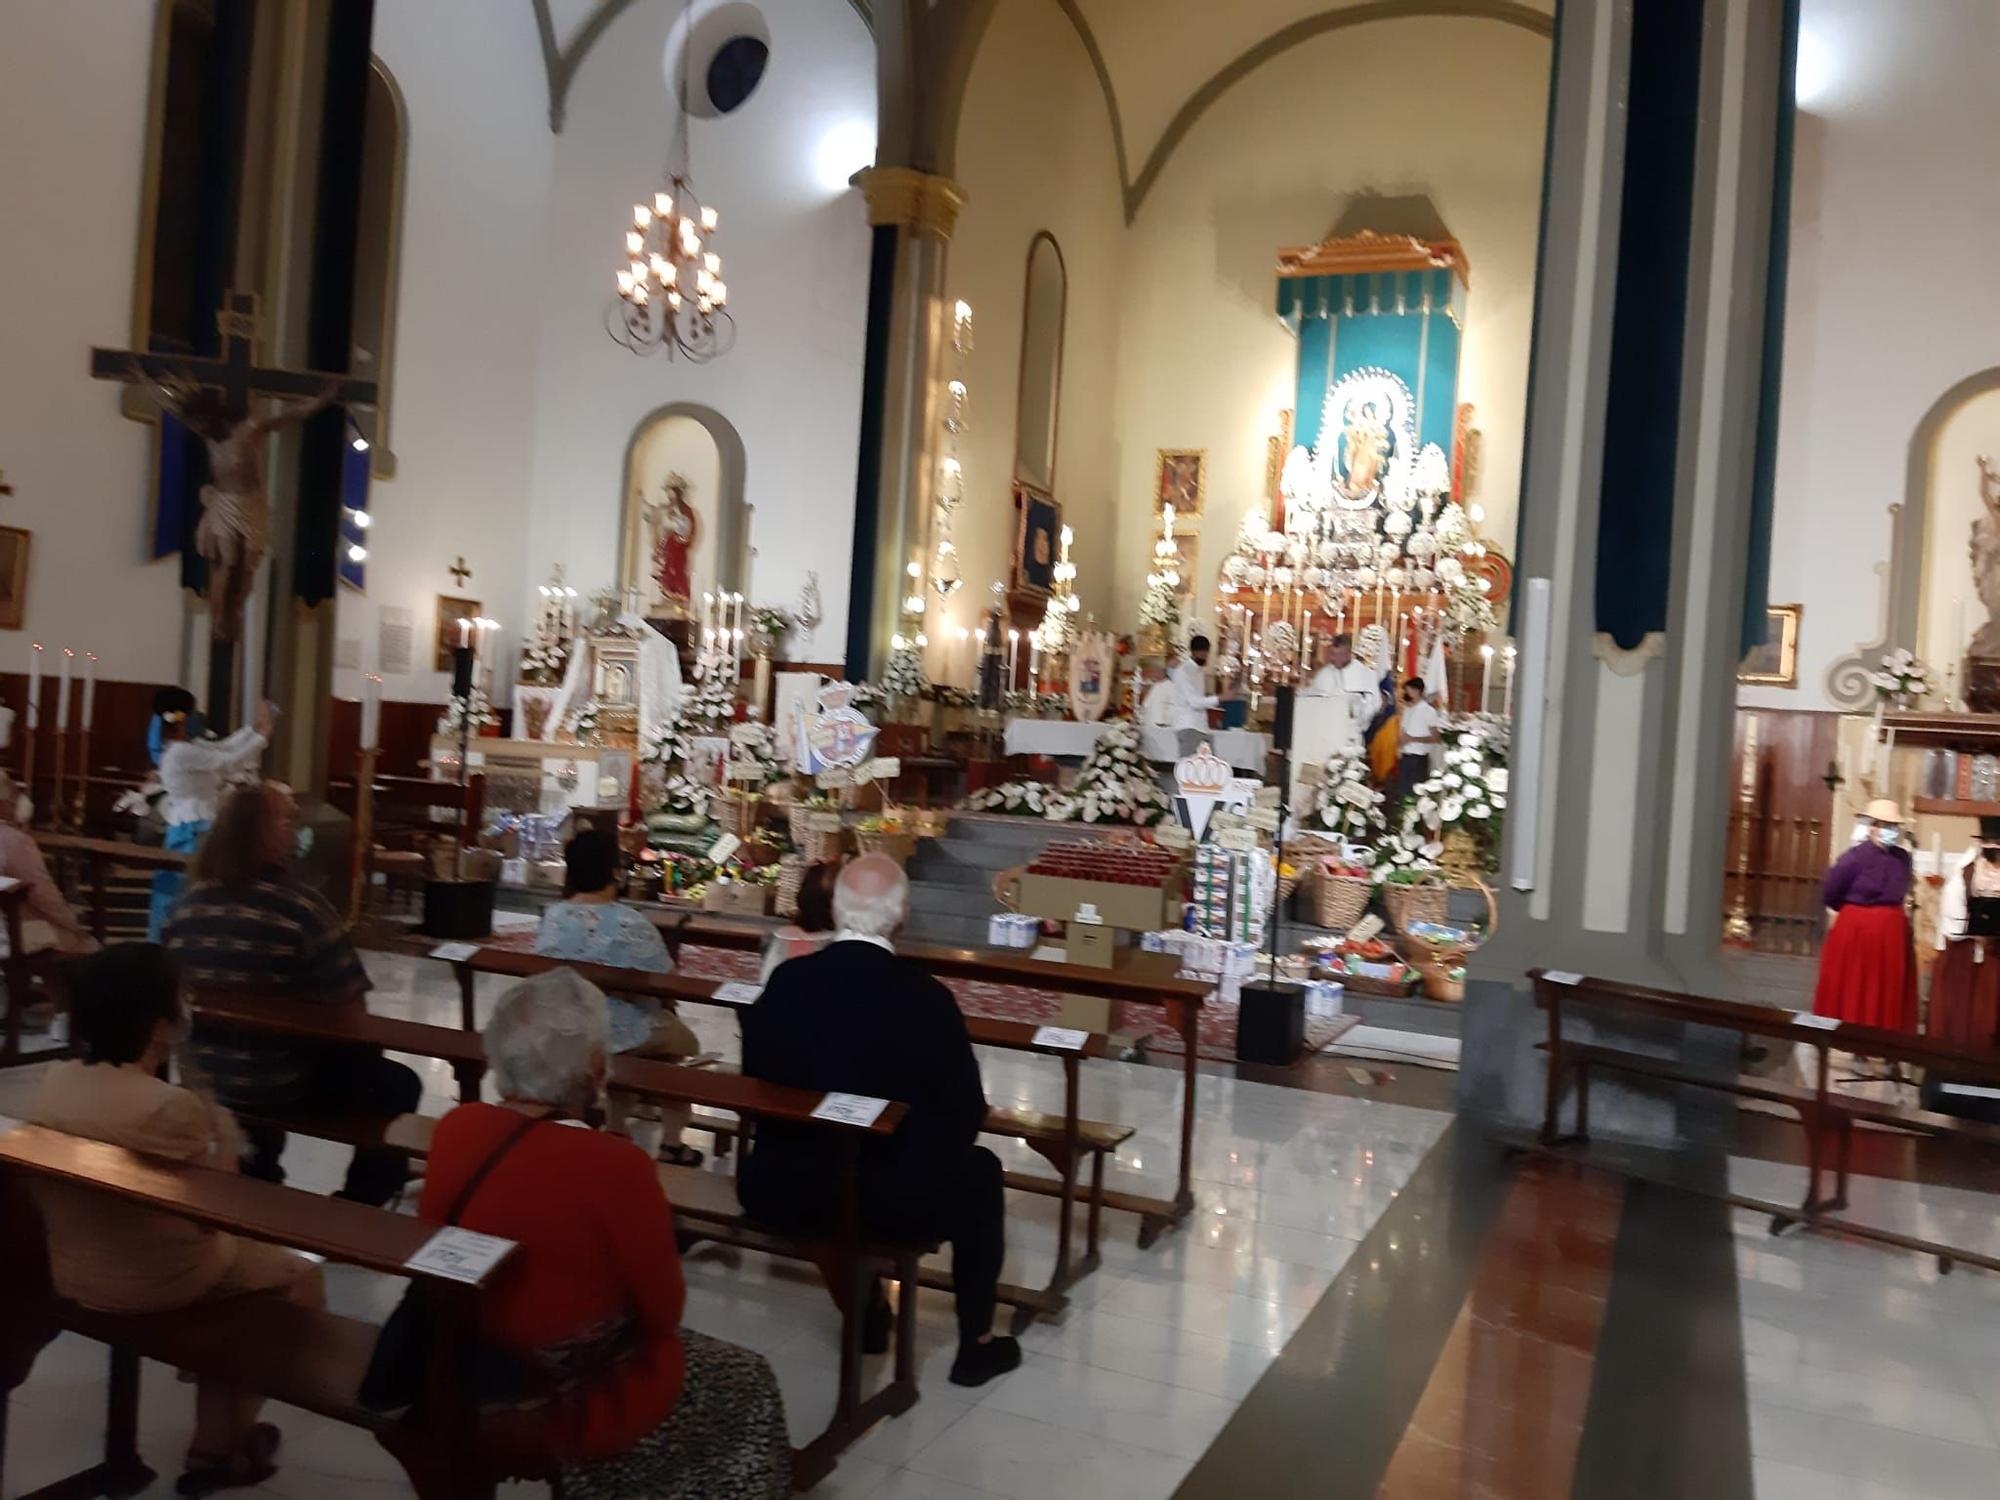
x: 1343, y: 676
x: 1417, y: 729
x: 1193, y: 700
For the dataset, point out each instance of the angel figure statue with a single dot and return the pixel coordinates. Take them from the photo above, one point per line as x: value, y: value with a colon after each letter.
x: 235, y: 510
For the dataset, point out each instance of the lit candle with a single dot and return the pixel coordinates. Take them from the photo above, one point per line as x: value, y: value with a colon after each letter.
x: 1013, y: 655
x: 464, y: 632
x: 1034, y: 663
x: 1485, y: 673
x: 62, y: 691
x: 35, y: 686
x: 371, y: 712
x: 89, y: 686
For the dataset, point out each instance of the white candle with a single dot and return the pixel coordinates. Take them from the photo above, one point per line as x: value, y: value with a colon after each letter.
x: 371, y: 712
x: 465, y: 632
x: 1034, y: 663
x: 1937, y: 854
x: 1485, y: 675
x: 62, y: 691
x: 35, y: 686
x: 1013, y: 655
x: 89, y: 686
x: 1507, y: 685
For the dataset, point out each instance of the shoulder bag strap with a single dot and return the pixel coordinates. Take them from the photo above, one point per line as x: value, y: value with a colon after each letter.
x: 472, y: 1183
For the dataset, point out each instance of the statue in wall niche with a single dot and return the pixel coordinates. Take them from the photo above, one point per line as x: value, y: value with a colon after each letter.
x: 671, y: 525
x: 1986, y: 561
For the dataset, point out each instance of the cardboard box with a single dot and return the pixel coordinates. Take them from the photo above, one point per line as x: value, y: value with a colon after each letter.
x: 738, y: 899
x: 1056, y: 898
x: 1091, y: 944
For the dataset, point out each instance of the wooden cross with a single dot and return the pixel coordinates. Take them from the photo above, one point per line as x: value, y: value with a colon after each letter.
x: 234, y: 372
x: 459, y: 570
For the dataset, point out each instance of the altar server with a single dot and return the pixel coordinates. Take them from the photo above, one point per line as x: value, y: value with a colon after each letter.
x: 195, y: 773
x: 1965, y: 979
x: 1867, y: 971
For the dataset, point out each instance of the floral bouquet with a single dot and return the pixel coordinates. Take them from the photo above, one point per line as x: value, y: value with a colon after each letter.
x: 1349, y: 804
x: 1468, y: 794
x: 1114, y: 786
x: 1901, y: 679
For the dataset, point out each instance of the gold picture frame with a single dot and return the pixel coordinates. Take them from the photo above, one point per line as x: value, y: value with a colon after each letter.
x: 14, y: 543
x: 1775, y: 663
x: 450, y: 611
x: 1180, y: 479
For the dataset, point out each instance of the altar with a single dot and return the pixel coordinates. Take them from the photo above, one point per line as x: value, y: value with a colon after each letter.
x: 1072, y: 739
x: 535, y: 776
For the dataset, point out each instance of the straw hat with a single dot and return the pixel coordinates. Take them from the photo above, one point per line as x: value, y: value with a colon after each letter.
x: 1882, y: 810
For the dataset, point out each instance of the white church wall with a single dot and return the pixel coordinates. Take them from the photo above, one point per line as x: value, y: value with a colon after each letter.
x: 794, y: 241
x: 474, y: 237
x: 74, y: 77
x: 1034, y: 153
x: 1203, y: 361
x: 1891, y: 301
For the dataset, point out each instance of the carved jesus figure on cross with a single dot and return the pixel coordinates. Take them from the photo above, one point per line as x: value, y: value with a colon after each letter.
x: 212, y: 398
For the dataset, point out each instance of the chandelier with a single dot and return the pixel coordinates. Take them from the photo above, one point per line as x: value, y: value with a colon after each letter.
x: 671, y: 294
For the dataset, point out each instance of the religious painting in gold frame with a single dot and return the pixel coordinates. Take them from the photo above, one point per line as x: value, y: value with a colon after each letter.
x: 1775, y: 662
x: 450, y: 612
x: 13, y: 576
x: 1037, y: 542
x: 1181, y: 481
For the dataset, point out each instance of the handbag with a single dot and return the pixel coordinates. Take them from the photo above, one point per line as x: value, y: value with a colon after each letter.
x: 402, y: 1353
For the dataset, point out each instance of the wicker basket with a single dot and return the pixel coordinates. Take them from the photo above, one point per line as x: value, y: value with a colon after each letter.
x: 791, y: 875
x: 899, y: 846
x: 736, y: 811
x: 1435, y: 971
x: 1302, y: 854
x: 1414, y: 903
x: 818, y: 835
x: 1339, y: 900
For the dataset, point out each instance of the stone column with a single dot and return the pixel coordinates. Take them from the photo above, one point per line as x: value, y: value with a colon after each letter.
x: 1613, y: 864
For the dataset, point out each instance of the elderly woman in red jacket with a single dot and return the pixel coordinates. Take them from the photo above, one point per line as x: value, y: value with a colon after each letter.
x: 1868, y: 970
x: 582, y: 1327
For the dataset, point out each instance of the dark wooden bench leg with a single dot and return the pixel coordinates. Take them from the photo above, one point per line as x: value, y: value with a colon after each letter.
x: 1582, y: 1101
x: 124, y: 1472
x: 1094, y: 1220
x: 1843, y: 1161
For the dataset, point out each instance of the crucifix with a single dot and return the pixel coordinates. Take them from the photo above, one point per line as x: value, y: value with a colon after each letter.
x: 212, y: 398
x: 459, y: 571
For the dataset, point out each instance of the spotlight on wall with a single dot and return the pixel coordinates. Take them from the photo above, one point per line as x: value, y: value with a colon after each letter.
x: 357, y: 553
x: 1813, y: 70
x: 844, y: 150
x: 361, y: 445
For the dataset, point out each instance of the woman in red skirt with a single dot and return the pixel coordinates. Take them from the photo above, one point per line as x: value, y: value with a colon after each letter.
x: 1965, y: 980
x: 1867, y: 971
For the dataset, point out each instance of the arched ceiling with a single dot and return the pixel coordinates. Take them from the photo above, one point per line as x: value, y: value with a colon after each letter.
x: 1162, y: 62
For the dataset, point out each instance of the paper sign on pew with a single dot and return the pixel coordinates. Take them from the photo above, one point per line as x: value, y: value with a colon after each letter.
x: 738, y: 992
x: 460, y: 1254
x: 850, y: 1109
x: 1562, y: 976
x: 1060, y: 1038
x: 1821, y: 1023
x: 454, y: 953
x: 1969, y: 1090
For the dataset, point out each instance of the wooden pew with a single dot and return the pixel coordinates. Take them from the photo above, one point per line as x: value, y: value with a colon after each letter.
x: 1064, y: 1143
x: 1828, y: 1118
x: 855, y: 1260
x: 1135, y: 978
x: 296, y: 1355
x: 410, y: 804
x: 99, y: 855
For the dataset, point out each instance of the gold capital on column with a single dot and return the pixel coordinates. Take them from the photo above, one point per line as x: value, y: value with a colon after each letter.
x: 918, y: 201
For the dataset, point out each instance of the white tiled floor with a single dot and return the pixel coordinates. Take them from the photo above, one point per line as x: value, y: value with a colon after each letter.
x: 1870, y: 1375
x: 1117, y: 1401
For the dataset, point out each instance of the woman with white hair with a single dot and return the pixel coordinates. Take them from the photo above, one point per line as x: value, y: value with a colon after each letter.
x: 588, y: 1370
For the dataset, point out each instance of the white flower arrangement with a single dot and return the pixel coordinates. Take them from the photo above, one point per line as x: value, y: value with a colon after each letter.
x: 754, y: 744
x: 1349, y: 804
x: 455, y: 711
x: 1408, y: 856
x: 1467, y: 789
x: 1114, y: 786
x: 583, y: 723
x: 771, y: 621
x: 904, y: 676
x: 1161, y: 605
x: 682, y: 794
x: 1901, y: 679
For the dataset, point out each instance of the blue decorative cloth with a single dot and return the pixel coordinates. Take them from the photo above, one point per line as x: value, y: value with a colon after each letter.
x: 182, y: 838
x: 618, y: 937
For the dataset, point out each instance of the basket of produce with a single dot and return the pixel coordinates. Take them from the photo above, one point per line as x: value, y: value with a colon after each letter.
x: 885, y: 833
x: 1341, y: 893
x: 1372, y: 967
x: 819, y: 836
x: 1302, y: 856
x: 736, y: 811
x: 1414, y: 896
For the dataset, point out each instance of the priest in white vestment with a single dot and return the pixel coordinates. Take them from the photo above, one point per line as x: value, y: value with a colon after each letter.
x: 1344, y: 677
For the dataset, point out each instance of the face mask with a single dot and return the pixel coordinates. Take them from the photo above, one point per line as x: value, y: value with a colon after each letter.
x: 302, y: 842
x: 1890, y: 837
x: 1991, y: 853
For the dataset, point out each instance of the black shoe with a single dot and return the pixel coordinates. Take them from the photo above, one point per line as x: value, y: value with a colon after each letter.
x: 978, y: 1363
x: 877, y: 1323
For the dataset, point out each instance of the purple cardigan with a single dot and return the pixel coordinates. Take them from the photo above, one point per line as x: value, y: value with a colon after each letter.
x: 1867, y: 875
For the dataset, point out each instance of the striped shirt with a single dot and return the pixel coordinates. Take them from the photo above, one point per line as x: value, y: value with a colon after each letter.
x: 272, y: 936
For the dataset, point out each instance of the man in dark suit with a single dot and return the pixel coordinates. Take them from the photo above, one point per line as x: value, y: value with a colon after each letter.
x: 854, y: 1018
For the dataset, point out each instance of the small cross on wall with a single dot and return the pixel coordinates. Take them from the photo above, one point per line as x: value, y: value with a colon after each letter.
x: 460, y: 571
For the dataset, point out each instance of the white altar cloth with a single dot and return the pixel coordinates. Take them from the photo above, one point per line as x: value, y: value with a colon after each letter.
x: 1242, y: 748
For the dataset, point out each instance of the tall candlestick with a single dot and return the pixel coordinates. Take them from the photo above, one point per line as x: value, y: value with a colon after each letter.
x: 464, y: 632
x: 62, y: 690
x: 1013, y: 656
x: 35, y: 687
x: 89, y: 686
x: 1507, y: 684
x: 371, y: 712
x: 1485, y: 674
